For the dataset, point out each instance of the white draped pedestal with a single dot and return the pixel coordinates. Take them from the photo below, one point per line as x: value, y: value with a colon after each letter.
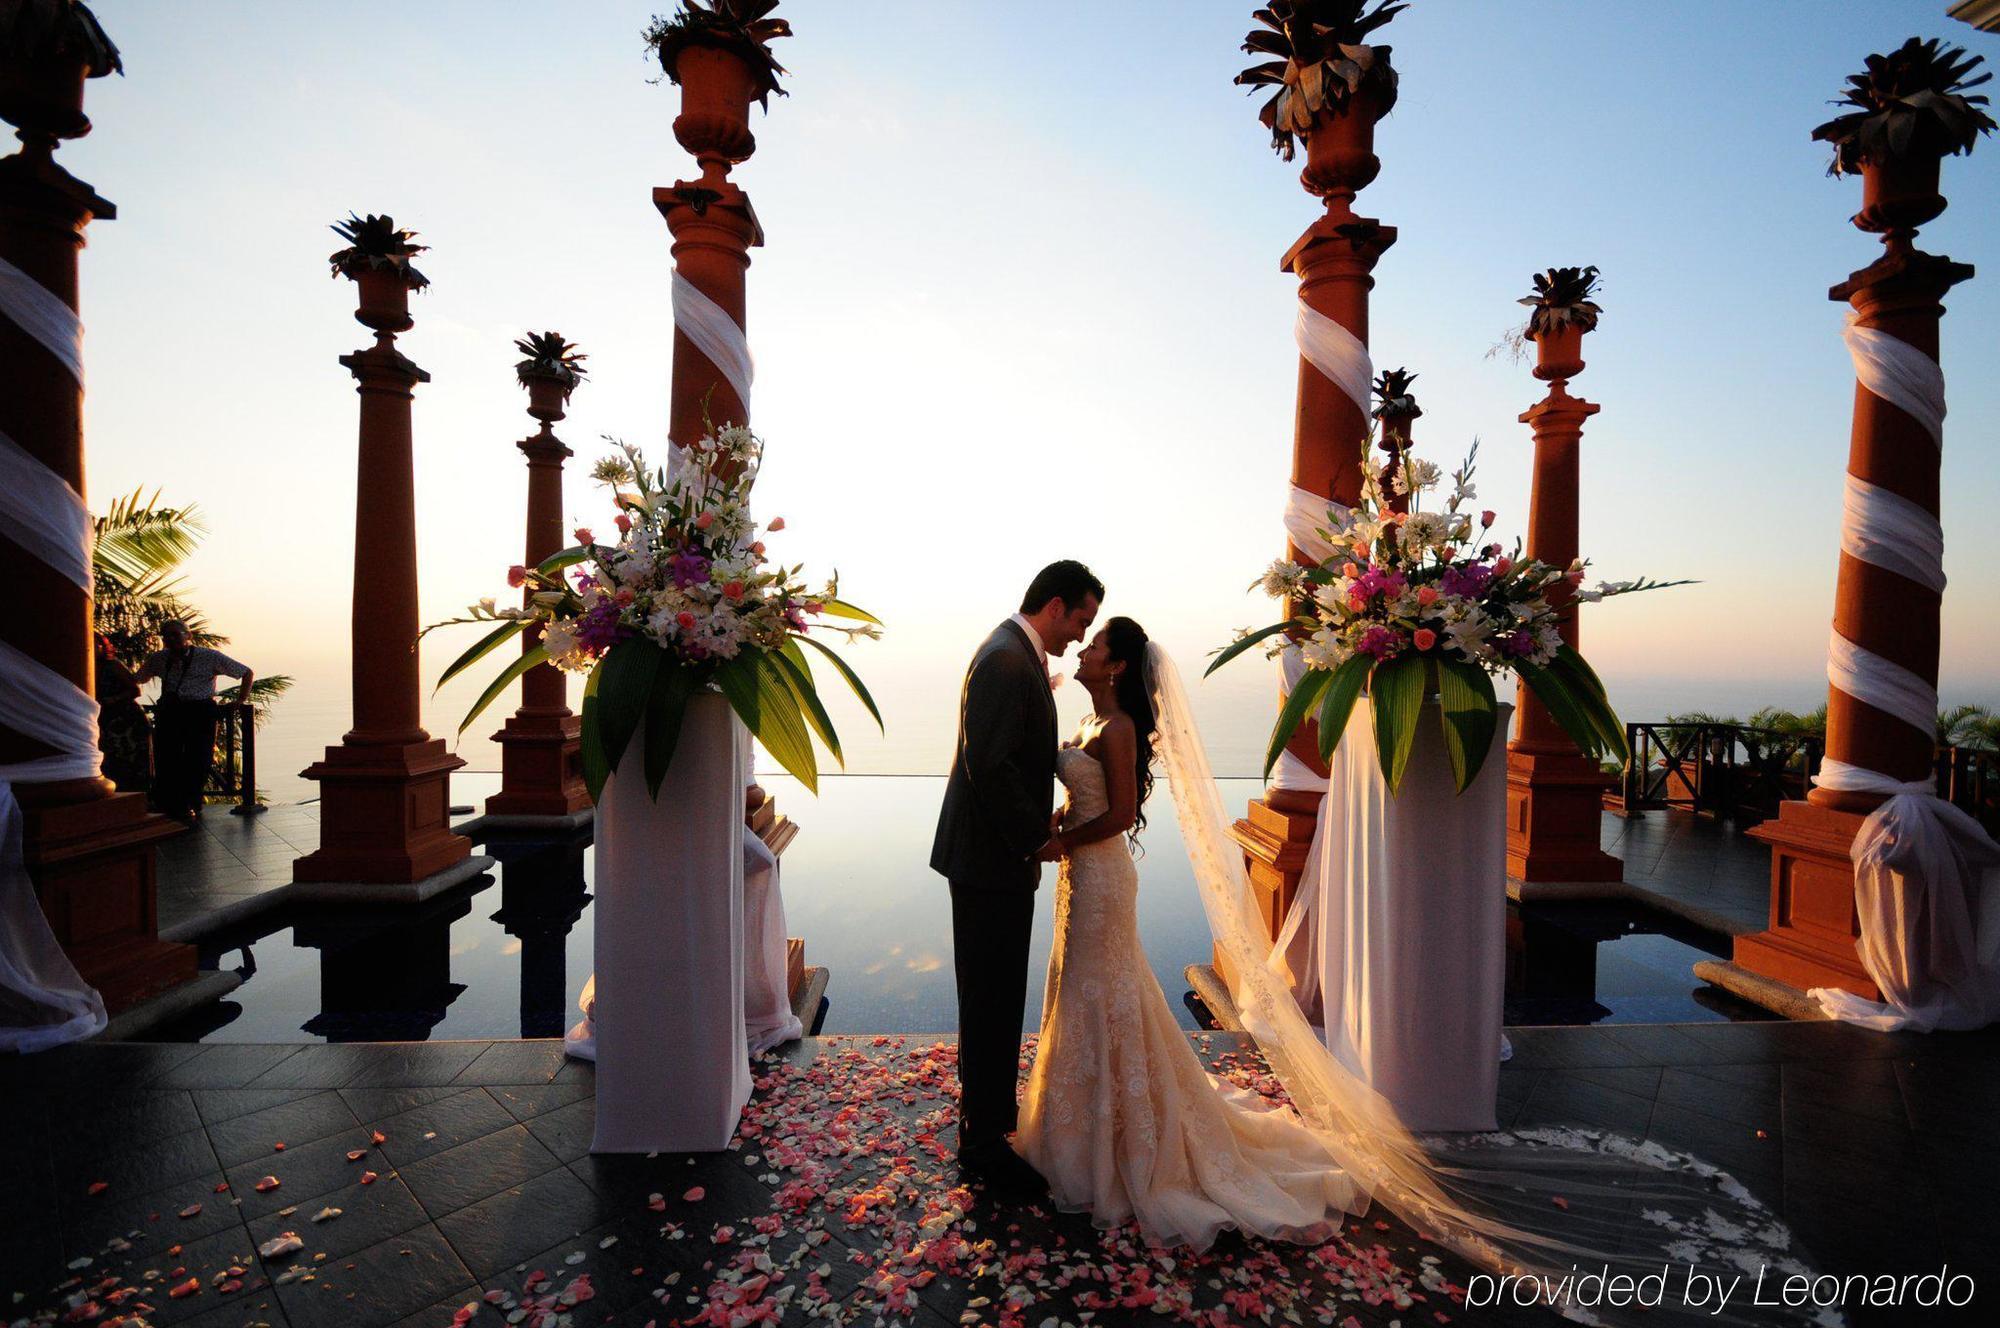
x: 767, y: 988
x: 1405, y: 925
x: 673, y: 1071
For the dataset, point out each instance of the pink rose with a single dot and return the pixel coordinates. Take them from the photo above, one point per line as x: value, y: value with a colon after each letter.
x: 583, y: 535
x: 517, y: 576
x: 625, y: 596
x: 1487, y: 518
x: 685, y: 619
x: 1424, y: 638
x: 1350, y: 569
x: 704, y: 521
x: 1427, y: 596
x: 757, y: 547
x: 734, y: 590
x: 1504, y: 566
x: 777, y: 524
x: 623, y: 521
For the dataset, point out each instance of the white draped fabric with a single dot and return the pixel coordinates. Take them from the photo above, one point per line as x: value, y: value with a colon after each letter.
x: 44, y: 1001
x: 673, y: 1072
x: 1526, y: 1202
x: 1926, y: 875
x: 715, y: 334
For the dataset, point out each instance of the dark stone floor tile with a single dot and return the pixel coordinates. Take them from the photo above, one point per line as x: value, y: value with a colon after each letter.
x: 1562, y: 1099
x: 304, y: 1173
x: 104, y: 1066
x: 731, y: 1191
x: 226, y: 1065
x: 416, y: 1064
x: 442, y: 1314
x: 369, y: 1214
x: 498, y: 1232
x: 142, y: 1170
x: 261, y: 1309
x: 374, y: 1104
x: 514, y: 1063
x: 125, y: 1119
x: 1692, y: 1089
x: 321, y: 1066
x: 1721, y: 1143
x: 31, y: 1261
x: 567, y: 1131
x: 459, y: 1177
x: 150, y: 1221
x: 1824, y: 1132
x: 1566, y: 1048
x: 1657, y: 1044
x: 247, y: 1138
x: 575, y: 1071
x: 222, y: 1104
x: 1638, y: 1080
x: 1859, y: 1088
x: 436, y: 1126
x: 524, y: 1102
x: 379, y: 1286
x: 203, y: 1260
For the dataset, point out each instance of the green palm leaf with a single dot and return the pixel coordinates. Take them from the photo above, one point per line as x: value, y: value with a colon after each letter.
x: 1559, y: 699
x: 500, y: 684
x: 666, y: 706
x: 596, y: 770
x: 792, y: 663
x: 852, y: 678
x: 1397, y: 689
x: 1243, y: 643
x: 480, y: 649
x: 1341, y: 695
x: 1467, y: 708
x: 1312, y: 685
x: 622, y: 692
x: 840, y: 608
x: 758, y: 693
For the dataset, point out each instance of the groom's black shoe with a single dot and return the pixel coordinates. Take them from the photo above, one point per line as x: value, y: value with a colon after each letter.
x: 1001, y: 1170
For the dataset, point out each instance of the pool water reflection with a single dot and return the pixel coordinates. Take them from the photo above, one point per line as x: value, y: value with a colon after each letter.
x: 507, y: 955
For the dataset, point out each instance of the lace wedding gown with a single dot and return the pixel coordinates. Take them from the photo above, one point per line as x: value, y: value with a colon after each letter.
x: 1120, y: 1115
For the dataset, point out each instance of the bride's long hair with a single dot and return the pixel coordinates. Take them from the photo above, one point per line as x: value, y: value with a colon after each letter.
x: 1126, y: 641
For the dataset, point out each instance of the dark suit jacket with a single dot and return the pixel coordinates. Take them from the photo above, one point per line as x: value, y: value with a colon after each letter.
x: 1002, y: 787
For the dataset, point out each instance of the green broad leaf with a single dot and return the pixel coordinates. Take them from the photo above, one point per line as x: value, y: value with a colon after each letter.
x: 666, y: 705
x: 840, y: 608
x: 556, y: 562
x: 1561, y: 702
x: 1341, y: 694
x: 480, y: 650
x: 792, y: 663
x: 627, y: 677
x: 764, y: 702
x: 1397, y: 688
x: 501, y: 683
x: 596, y: 770
x: 1311, y: 686
x: 1467, y: 708
x: 1588, y: 692
x: 1568, y: 654
x: 852, y: 678
x: 1238, y: 646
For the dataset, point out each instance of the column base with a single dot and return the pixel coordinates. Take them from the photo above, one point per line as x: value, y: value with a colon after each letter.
x: 1274, y: 834
x: 96, y: 878
x: 1811, y: 938
x: 384, y: 814
x: 1555, y: 813
x: 541, y: 768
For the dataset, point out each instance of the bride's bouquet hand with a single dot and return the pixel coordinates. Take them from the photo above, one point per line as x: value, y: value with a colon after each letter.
x: 1053, y: 851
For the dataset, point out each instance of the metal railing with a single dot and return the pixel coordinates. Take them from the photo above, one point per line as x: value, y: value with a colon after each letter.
x: 1733, y: 771
x: 1741, y: 773
x: 232, y: 775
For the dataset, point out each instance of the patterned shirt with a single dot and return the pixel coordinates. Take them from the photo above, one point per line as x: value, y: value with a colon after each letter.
x: 191, y: 675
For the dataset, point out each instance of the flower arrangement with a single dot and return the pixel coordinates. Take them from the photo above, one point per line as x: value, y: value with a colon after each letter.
x: 684, y: 598
x: 550, y: 358
x: 1416, y: 602
x: 376, y: 244
x: 742, y: 27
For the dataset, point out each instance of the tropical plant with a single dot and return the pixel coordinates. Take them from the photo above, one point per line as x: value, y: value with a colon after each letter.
x: 742, y: 27
x: 1392, y: 393
x: 1418, y: 602
x: 1562, y: 297
x: 375, y: 243
x: 551, y: 359
x: 683, y: 599
x: 1910, y: 103
x: 41, y: 30
x: 1968, y: 726
x: 1322, y: 60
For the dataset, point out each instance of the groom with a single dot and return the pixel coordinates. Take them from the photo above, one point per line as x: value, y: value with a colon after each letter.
x: 991, y: 832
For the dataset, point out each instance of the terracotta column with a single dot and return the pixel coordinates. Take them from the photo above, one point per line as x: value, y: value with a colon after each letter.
x: 540, y: 762
x: 88, y: 848
x: 1813, y: 924
x: 385, y: 790
x: 1335, y: 262
x: 1555, y: 794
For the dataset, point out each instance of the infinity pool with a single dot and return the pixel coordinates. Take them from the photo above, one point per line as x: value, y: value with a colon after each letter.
x: 507, y: 955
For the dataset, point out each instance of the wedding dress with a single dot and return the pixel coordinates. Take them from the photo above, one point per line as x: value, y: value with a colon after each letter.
x: 1120, y: 1116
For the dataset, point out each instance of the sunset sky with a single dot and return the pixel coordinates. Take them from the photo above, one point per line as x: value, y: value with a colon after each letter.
x: 1020, y: 300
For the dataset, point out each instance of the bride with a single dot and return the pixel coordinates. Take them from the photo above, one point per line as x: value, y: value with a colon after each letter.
x: 1120, y: 1116
x: 1123, y: 1121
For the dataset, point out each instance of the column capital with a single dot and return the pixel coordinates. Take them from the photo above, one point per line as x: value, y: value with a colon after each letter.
x: 1902, y: 280
x: 691, y: 205
x: 32, y: 180
x: 1558, y: 412
x: 1356, y: 240
x: 382, y: 367
x: 544, y: 448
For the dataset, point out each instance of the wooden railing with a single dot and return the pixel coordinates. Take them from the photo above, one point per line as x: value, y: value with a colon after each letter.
x: 232, y: 775
x: 1741, y: 773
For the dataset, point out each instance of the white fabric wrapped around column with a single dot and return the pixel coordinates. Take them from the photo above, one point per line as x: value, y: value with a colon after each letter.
x: 44, y: 1001
x: 1926, y: 875
x: 1408, y: 949
x: 715, y: 334
x: 673, y: 1074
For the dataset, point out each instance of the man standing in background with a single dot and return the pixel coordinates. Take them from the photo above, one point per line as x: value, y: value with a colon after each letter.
x: 184, y: 722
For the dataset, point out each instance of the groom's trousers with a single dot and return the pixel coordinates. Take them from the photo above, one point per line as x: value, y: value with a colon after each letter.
x: 989, y: 942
